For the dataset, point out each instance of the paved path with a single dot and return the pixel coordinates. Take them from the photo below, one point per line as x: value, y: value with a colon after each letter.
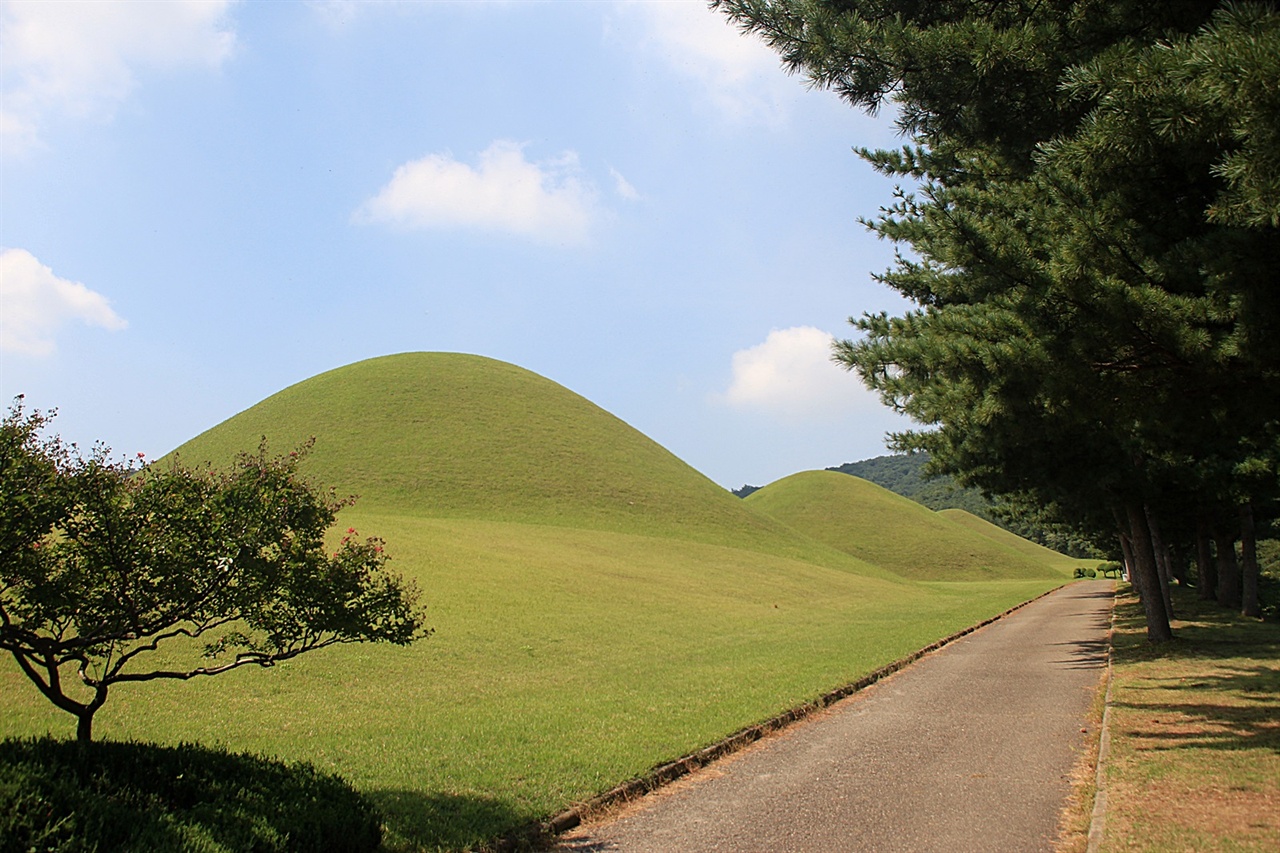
x: 969, y: 749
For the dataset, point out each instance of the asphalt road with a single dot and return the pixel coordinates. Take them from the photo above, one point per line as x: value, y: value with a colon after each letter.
x: 969, y: 749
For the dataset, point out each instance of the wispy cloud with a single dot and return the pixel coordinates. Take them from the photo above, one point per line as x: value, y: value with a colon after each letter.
x: 738, y: 74
x: 791, y: 375
x: 548, y: 201
x: 623, y: 187
x: 35, y: 303
x: 80, y: 57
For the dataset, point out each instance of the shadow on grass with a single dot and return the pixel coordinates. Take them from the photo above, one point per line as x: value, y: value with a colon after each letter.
x: 417, y: 820
x: 1202, y: 629
x: 64, y: 795
x: 1211, y: 726
x: 1226, y: 666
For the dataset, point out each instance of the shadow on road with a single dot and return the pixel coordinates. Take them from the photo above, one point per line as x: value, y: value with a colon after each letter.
x: 1089, y: 653
x: 1084, y: 654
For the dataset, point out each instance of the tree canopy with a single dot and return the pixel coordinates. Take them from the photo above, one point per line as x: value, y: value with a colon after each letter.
x: 1091, y: 232
x: 103, y: 563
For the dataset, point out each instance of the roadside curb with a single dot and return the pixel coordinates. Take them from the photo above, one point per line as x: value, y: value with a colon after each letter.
x: 665, y: 774
x: 1097, y: 820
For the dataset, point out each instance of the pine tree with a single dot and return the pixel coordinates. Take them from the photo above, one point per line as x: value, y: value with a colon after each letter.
x: 1091, y: 218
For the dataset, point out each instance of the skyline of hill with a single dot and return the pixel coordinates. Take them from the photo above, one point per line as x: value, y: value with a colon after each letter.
x: 446, y: 435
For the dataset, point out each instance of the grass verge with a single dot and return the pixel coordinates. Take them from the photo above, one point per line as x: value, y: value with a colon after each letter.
x: 1076, y: 819
x: 1194, y: 759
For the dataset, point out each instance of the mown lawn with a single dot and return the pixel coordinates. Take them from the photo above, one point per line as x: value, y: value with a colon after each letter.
x: 564, y: 662
x: 1195, y: 733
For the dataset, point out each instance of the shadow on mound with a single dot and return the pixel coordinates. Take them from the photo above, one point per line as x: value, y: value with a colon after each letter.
x: 418, y: 820
x: 65, y: 795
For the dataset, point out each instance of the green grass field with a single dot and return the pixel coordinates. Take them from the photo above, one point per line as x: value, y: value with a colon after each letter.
x: 599, y: 606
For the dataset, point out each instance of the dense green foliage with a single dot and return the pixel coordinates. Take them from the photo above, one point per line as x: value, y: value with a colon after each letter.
x: 1092, y: 234
x: 109, y: 570
x: 1269, y: 580
x: 905, y: 474
x: 68, y: 797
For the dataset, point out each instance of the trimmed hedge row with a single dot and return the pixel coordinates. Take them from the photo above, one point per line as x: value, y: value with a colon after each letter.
x: 67, y: 796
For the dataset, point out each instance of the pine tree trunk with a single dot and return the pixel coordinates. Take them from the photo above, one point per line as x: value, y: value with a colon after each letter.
x: 1178, y: 563
x: 1249, y: 604
x: 1207, y: 572
x: 1126, y: 552
x: 1162, y: 559
x: 1126, y: 548
x: 1228, y: 569
x: 1146, y: 576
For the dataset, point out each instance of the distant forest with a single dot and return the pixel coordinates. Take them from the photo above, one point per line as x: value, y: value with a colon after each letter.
x: 904, y: 474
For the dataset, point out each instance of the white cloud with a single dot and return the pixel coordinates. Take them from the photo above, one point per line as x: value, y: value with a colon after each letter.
x: 79, y: 57
x: 739, y: 74
x: 549, y: 201
x: 623, y: 187
x: 34, y: 303
x: 792, y: 375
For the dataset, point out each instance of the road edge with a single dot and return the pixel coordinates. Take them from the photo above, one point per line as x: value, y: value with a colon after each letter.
x: 667, y: 773
x: 1097, y: 819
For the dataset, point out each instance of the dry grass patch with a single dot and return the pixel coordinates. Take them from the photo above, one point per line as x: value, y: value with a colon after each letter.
x: 1195, y: 734
x: 1077, y: 815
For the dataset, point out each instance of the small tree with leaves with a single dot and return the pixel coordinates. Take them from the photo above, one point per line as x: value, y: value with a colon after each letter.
x: 103, y: 563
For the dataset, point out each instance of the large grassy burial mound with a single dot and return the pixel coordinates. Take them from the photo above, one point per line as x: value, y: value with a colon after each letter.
x: 599, y: 607
x: 446, y: 435
x: 893, y: 532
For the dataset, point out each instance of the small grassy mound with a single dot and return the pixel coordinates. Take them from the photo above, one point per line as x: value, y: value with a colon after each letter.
x: 1012, y: 540
x: 888, y: 530
x: 66, y: 796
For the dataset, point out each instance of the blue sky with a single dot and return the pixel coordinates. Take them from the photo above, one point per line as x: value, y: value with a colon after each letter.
x: 203, y: 203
